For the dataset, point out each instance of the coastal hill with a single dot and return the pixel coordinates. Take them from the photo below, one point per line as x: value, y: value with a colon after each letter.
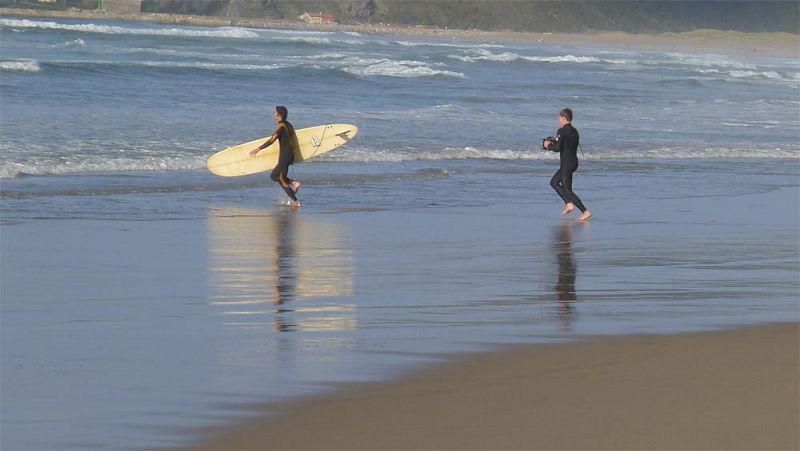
x: 556, y: 16
x: 649, y: 16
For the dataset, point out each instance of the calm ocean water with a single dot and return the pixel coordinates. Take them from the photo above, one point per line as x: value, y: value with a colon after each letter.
x: 690, y: 163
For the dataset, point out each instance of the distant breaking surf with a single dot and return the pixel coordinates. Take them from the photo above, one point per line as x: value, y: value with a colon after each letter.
x: 236, y: 33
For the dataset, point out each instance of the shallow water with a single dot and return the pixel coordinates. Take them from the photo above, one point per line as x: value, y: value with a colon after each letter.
x: 128, y: 320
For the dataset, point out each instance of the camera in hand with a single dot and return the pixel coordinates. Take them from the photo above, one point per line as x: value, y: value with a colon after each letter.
x: 545, y: 146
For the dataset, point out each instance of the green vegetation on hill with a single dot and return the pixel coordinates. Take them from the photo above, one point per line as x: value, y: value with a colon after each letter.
x: 635, y: 16
x: 647, y: 16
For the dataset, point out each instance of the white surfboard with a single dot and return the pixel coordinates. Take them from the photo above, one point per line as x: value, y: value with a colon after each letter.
x: 313, y: 141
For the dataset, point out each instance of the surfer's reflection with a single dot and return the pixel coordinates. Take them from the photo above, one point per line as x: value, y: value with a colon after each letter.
x: 279, y: 269
x: 285, y: 272
x: 565, y: 284
x: 285, y: 257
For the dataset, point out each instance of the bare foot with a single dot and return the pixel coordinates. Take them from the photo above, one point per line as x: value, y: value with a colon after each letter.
x: 294, y: 203
x: 568, y: 209
x: 296, y: 186
x: 585, y: 216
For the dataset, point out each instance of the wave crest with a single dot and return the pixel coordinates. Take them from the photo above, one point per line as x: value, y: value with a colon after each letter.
x: 20, y: 66
x: 368, y: 155
x: 390, y: 68
x: 224, y: 32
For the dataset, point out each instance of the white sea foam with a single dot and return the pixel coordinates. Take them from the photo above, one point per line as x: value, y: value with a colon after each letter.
x: 20, y: 66
x: 709, y: 60
x: 772, y: 75
x: 304, y: 39
x: 10, y: 170
x: 750, y: 74
x: 392, y: 68
x: 206, y: 66
x: 105, y: 164
x: 188, y: 54
x: 73, y: 43
x: 481, y: 54
x: 225, y: 32
x: 317, y: 41
x: 439, y: 44
x: 174, y: 65
x: 367, y: 155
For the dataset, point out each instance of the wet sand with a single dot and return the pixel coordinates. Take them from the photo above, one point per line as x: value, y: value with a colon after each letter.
x: 715, y: 41
x: 734, y: 389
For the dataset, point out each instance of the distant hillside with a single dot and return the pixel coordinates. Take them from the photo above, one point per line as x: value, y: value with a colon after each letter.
x: 648, y: 16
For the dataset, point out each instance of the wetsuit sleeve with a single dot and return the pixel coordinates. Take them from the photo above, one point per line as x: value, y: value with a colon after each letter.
x: 275, y: 135
x: 556, y: 146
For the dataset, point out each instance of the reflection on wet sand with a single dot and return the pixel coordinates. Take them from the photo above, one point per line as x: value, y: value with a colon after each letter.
x: 567, y: 271
x: 265, y: 264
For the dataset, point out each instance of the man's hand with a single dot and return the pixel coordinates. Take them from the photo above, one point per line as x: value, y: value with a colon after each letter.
x: 254, y: 152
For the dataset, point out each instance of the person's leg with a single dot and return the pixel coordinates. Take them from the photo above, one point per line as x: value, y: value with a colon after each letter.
x: 574, y: 200
x: 566, y: 185
x: 279, y: 174
x: 557, y: 182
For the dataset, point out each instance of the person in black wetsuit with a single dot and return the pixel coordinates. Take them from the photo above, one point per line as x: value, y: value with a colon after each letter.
x: 287, y: 138
x: 566, y: 143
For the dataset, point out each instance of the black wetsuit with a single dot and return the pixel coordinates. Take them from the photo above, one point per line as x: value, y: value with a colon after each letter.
x: 566, y: 143
x: 288, y: 141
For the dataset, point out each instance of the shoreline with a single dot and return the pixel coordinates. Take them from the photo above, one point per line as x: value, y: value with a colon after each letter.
x: 728, y: 42
x: 729, y: 389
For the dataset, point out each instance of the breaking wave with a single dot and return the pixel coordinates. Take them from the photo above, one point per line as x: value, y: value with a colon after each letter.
x: 366, y: 155
x: 390, y: 68
x: 225, y: 32
x: 10, y: 170
x: 20, y: 66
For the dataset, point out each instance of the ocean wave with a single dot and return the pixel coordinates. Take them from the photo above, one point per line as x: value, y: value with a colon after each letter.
x: 164, y: 65
x: 368, y: 155
x: 20, y: 66
x: 10, y: 170
x: 346, y: 63
x: 206, y: 66
x: 709, y: 60
x: 224, y: 32
x: 391, y: 68
x: 480, y: 54
x: 73, y: 43
x: 750, y: 74
x: 188, y: 54
x: 440, y: 44
x: 315, y: 41
x: 303, y: 40
x: 772, y: 75
x: 156, y: 163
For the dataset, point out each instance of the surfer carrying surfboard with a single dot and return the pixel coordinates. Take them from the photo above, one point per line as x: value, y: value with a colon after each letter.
x: 287, y: 139
x: 566, y: 143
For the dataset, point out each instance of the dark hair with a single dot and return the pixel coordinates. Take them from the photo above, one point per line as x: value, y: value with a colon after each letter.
x: 282, y: 111
x: 566, y: 113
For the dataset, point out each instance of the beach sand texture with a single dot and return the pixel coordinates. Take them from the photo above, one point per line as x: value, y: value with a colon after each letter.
x: 736, y: 389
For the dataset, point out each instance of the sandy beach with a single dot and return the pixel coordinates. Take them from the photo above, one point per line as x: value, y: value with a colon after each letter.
x: 719, y: 41
x: 736, y: 389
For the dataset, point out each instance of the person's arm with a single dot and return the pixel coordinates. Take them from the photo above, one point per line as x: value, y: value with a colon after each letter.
x: 268, y: 142
x: 553, y: 145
